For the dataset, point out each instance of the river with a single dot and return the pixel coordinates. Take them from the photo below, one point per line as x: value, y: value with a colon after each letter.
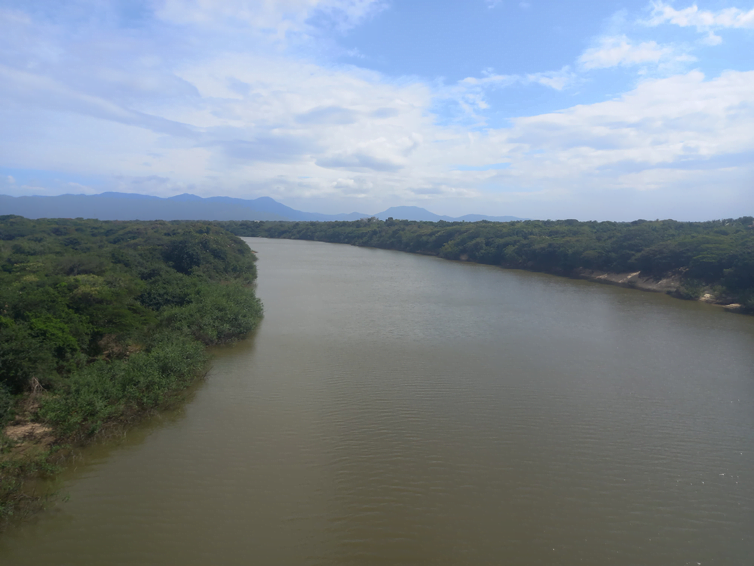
x: 398, y: 409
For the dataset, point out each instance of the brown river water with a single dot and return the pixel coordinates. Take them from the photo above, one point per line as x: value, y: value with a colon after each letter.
x: 397, y: 409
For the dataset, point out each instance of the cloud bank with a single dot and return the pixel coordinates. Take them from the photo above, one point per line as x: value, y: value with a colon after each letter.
x: 237, y: 99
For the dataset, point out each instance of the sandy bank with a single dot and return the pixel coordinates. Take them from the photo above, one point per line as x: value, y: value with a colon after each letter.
x: 670, y: 283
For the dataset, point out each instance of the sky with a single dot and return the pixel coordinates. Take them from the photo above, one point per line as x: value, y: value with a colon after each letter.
x: 595, y: 110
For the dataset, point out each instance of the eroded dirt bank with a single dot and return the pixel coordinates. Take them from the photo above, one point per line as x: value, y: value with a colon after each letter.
x: 671, y: 283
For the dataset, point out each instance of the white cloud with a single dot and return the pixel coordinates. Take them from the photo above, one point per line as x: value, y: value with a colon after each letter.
x: 276, y: 16
x: 379, y: 154
x: 702, y: 20
x: 471, y: 93
x: 679, y: 125
x: 553, y: 79
x: 557, y: 80
x: 621, y: 51
x: 35, y: 89
x: 712, y: 38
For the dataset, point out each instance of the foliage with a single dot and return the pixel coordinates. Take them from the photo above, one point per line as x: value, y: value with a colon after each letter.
x: 104, y: 390
x: 6, y: 405
x: 82, y: 303
x: 215, y: 316
x: 718, y: 253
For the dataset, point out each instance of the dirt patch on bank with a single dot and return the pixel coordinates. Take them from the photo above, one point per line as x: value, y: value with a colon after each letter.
x: 670, y: 283
x: 28, y: 439
x: 667, y: 284
x: 34, y: 432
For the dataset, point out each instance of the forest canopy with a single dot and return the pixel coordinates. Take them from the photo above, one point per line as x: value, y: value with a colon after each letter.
x: 111, y: 317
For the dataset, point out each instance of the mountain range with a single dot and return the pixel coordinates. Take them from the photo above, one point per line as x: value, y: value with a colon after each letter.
x: 130, y: 206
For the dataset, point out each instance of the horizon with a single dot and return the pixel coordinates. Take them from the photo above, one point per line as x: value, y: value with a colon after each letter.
x: 596, y: 111
x: 364, y: 214
x: 380, y: 212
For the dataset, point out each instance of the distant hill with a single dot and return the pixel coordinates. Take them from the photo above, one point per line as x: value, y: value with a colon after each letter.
x: 422, y: 214
x: 129, y: 206
x: 125, y: 208
x: 410, y: 213
x: 269, y: 205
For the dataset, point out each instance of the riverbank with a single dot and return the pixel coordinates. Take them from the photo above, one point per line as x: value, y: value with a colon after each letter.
x: 708, y: 261
x: 103, y: 323
x: 671, y: 284
x: 48, y: 429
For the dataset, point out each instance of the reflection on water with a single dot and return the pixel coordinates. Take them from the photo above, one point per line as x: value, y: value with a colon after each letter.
x: 400, y: 409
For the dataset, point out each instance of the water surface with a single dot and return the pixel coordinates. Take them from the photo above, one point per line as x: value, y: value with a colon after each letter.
x: 399, y: 409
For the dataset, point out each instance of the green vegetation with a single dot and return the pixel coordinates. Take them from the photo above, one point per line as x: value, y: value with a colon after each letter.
x: 715, y: 257
x: 101, y: 321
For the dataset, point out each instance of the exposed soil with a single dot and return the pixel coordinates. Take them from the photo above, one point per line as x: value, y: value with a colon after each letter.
x: 33, y: 432
x: 670, y: 283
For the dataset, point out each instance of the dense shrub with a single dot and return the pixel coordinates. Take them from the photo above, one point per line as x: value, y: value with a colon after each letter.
x: 111, y: 317
x: 6, y: 405
x: 215, y: 316
x: 104, y: 390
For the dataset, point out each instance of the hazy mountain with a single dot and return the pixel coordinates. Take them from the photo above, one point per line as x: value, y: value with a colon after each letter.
x: 478, y: 217
x: 411, y: 213
x: 128, y: 206
x: 417, y: 213
x: 269, y: 205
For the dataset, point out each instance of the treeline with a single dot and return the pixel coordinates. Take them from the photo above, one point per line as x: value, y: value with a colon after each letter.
x: 102, y: 320
x: 716, y: 257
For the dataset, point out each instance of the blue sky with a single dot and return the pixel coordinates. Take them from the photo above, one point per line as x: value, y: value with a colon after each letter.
x: 543, y: 109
